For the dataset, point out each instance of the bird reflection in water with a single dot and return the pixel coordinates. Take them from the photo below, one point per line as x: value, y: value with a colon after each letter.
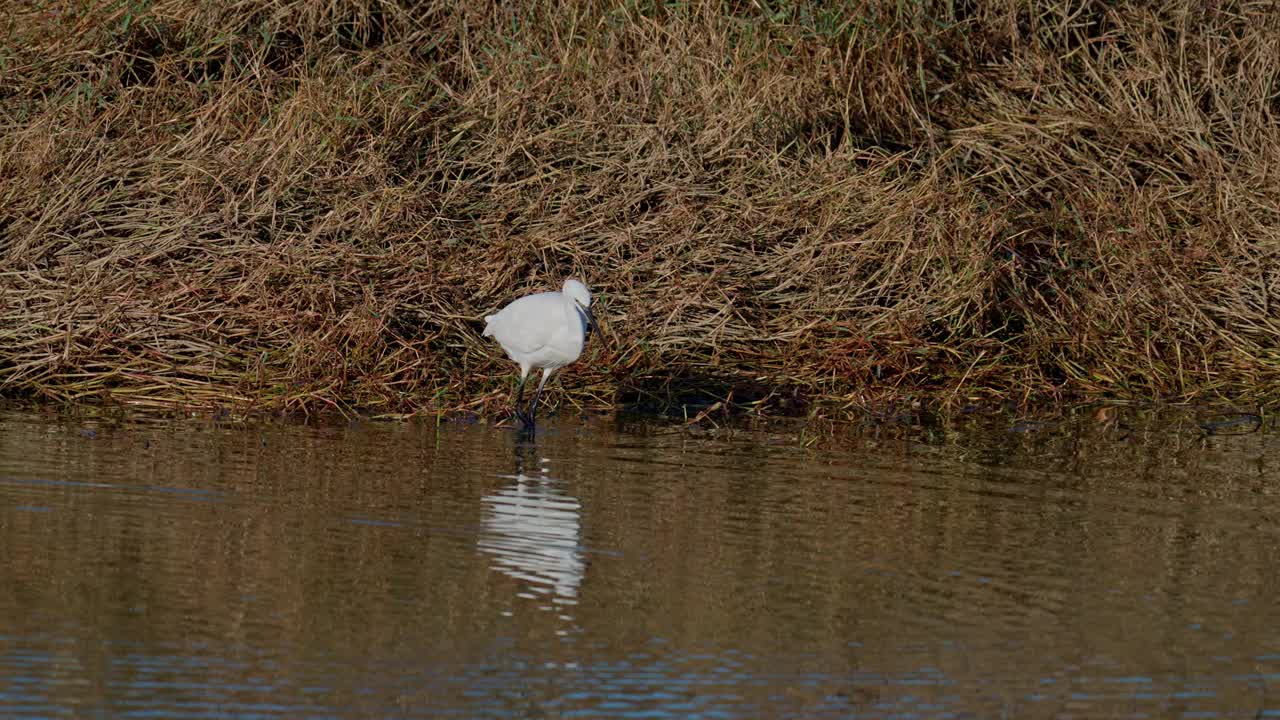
x: 533, y: 530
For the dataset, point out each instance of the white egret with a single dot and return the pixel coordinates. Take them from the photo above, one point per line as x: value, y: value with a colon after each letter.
x: 546, y: 330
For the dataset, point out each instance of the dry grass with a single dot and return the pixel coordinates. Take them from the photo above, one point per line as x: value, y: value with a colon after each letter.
x: 306, y: 204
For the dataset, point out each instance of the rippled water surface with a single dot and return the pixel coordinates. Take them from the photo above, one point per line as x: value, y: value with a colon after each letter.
x: 184, y: 569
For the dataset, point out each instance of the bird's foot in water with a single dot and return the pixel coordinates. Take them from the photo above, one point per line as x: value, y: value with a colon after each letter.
x: 526, y: 420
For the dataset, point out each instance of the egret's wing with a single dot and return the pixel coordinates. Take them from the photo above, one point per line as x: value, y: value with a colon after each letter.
x: 527, y: 324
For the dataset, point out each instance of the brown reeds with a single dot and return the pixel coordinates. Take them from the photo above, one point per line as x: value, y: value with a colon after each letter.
x: 307, y: 204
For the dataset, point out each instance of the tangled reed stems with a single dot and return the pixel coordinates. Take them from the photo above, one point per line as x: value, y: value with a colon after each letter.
x: 300, y: 205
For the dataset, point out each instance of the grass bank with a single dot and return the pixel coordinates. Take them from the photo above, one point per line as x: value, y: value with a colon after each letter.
x: 300, y: 205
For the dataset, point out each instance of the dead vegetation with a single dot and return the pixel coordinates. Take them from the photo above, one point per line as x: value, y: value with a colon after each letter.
x: 299, y: 205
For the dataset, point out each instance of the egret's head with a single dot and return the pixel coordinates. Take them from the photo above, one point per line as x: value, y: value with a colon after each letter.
x: 581, y: 296
x: 577, y: 292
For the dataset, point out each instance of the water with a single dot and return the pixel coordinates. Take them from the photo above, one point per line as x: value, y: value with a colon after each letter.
x: 183, y: 569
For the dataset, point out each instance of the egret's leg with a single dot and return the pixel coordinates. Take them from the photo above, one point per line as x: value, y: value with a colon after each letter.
x: 520, y: 399
x: 533, y: 406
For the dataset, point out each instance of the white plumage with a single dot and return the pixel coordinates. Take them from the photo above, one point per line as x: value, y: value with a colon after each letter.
x: 547, y: 330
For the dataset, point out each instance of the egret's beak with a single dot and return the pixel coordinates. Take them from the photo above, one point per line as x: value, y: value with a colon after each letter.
x: 591, y: 318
